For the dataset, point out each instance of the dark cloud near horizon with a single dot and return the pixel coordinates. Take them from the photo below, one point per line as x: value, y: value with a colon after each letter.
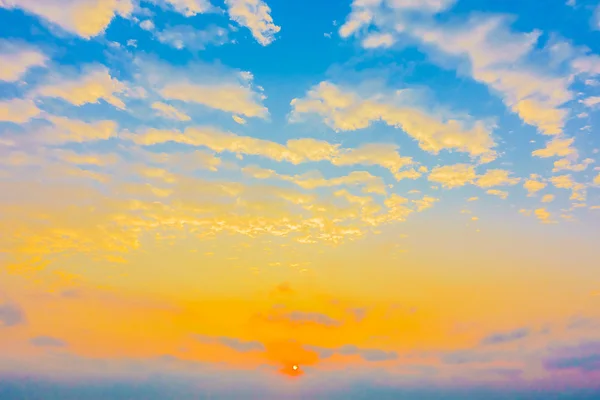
x: 47, y: 341
x: 505, y: 337
x: 232, y: 343
x: 584, y: 357
x: 372, y: 355
x: 11, y: 315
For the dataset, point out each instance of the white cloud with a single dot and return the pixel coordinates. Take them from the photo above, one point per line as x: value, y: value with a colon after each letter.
x: 496, y: 58
x: 86, y: 18
x: 186, y: 37
x: 94, y: 83
x: 366, y: 12
x: 18, y: 111
x: 168, y: 111
x: 17, y: 58
x: 345, y: 110
x: 190, y: 8
x: 491, y: 53
x: 591, y: 101
x: 147, y: 25
x: 375, y: 40
x: 256, y: 16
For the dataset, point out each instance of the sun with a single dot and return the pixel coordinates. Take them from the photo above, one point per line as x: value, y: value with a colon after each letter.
x: 295, y: 367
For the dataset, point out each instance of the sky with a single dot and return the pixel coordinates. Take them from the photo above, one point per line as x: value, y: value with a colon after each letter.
x: 274, y: 199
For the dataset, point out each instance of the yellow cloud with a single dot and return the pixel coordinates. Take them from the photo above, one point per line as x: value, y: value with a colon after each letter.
x: 549, y: 120
x: 566, y: 182
x: 17, y: 58
x: 100, y: 160
x: 549, y: 198
x: 597, y: 180
x: 18, y: 111
x: 94, y: 84
x: 239, y: 119
x: 500, y: 193
x: 168, y: 111
x: 86, y: 18
x: 533, y: 185
x: 566, y: 164
x: 347, y: 111
x: 425, y: 203
x: 295, y: 151
x: 229, y: 97
x: 496, y: 177
x: 557, y: 147
x: 452, y: 176
x: 542, y: 214
x: 314, y: 179
x: 65, y: 130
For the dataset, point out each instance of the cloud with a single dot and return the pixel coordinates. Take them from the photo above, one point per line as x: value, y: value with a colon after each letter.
x: 168, y: 111
x: 585, y: 357
x: 366, y: 12
x: 376, y: 40
x: 239, y: 119
x: 190, y: 8
x: 578, y: 191
x: 86, y: 18
x: 11, y: 315
x: 18, y: 111
x: 496, y: 177
x: 295, y: 151
x: 93, y: 84
x: 497, y: 58
x: 451, y: 176
x: 65, y: 130
x: 186, y: 37
x: 367, y: 354
x: 557, y: 147
x: 47, y: 341
x: 542, y: 214
x: 302, y: 317
x: 533, y: 185
x: 233, y: 343
x: 484, y: 47
x: 344, y: 110
x: 549, y: 198
x: 564, y: 164
x: 256, y: 16
x: 147, y: 25
x: 314, y: 179
x: 238, y: 99
x: 597, y: 180
x: 591, y: 101
x: 99, y: 160
x: 500, y: 193
x: 505, y: 337
x: 17, y: 58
